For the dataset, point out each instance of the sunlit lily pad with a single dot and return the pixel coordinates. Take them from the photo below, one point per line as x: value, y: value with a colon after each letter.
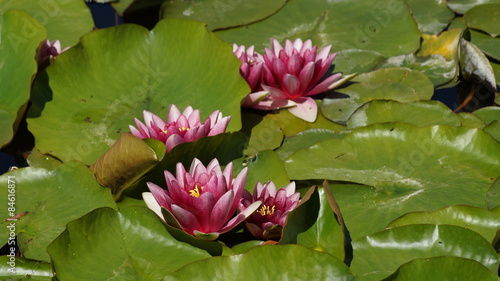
x: 401, y: 84
x: 431, y: 16
x: 36, y: 270
x: 64, y: 20
x: 410, y: 168
x: 443, y: 268
x: 419, y: 113
x: 278, y: 262
x: 488, y: 114
x: 445, y: 44
x: 263, y: 133
x: 221, y: 13
x: 156, y: 69
x: 378, y: 255
x: 484, y: 17
x: 292, y: 125
x: 49, y: 199
x: 17, y: 67
x: 437, y: 68
x: 470, y: 120
x: 131, y: 243
x: 462, y: 6
x: 479, y: 220
x: 356, y: 61
x: 331, y: 22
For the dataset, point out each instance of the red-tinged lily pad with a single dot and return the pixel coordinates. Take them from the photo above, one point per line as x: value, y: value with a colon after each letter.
x: 124, y: 70
x: 131, y: 243
x: 20, y: 36
x: 49, y: 199
x: 275, y: 262
x: 379, y: 255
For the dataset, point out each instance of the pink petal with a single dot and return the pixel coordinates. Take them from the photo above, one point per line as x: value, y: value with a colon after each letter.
x: 220, y: 213
x: 135, y: 132
x: 306, y: 75
x: 276, y: 47
x: 307, y: 110
x: 274, y: 104
x: 158, y: 193
x: 323, y: 54
x: 173, y: 114
x: 194, y: 118
x: 172, y: 141
x: 187, y: 220
x: 220, y: 127
x: 324, y: 85
x: 275, y: 93
x: 290, y: 188
x: 254, y: 98
x: 240, y: 217
x: 292, y: 85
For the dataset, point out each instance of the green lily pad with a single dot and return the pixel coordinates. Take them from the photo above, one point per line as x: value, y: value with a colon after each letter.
x: 65, y: 21
x: 25, y: 269
x: 488, y: 114
x: 304, y: 140
x: 418, y: 113
x: 391, y: 155
x: 493, y: 195
x: 39, y: 160
x: 378, y: 255
x: 263, y: 167
x: 493, y: 129
x: 496, y: 70
x: 486, y: 43
x: 131, y: 243
x: 263, y: 133
x: 356, y: 61
x: 484, y: 17
x: 300, y: 264
x: 476, y: 219
x: 221, y: 14
x: 442, y: 268
x: 401, y: 84
x: 326, y: 234
x: 405, y: 168
x: 20, y: 36
x: 47, y: 200
x: 331, y: 22
x: 134, y: 70
x: 292, y: 125
x: 439, y: 70
x: 431, y: 16
x: 470, y: 120
x: 462, y: 6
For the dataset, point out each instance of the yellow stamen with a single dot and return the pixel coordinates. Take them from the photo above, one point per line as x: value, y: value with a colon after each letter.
x: 196, y: 191
x: 265, y: 210
x: 184, y: 129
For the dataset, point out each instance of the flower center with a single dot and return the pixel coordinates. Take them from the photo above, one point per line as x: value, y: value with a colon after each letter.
x: 196, y: 191
x: 266, y: 210
x: 183, y: 129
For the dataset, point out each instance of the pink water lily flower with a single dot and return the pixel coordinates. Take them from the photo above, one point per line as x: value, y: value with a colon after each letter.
x: 49, y: 50
x: 289, y: 76
x: 203, y: 201
x: 270, y: 218
x: 179, y: 128
x: 251, y: 67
